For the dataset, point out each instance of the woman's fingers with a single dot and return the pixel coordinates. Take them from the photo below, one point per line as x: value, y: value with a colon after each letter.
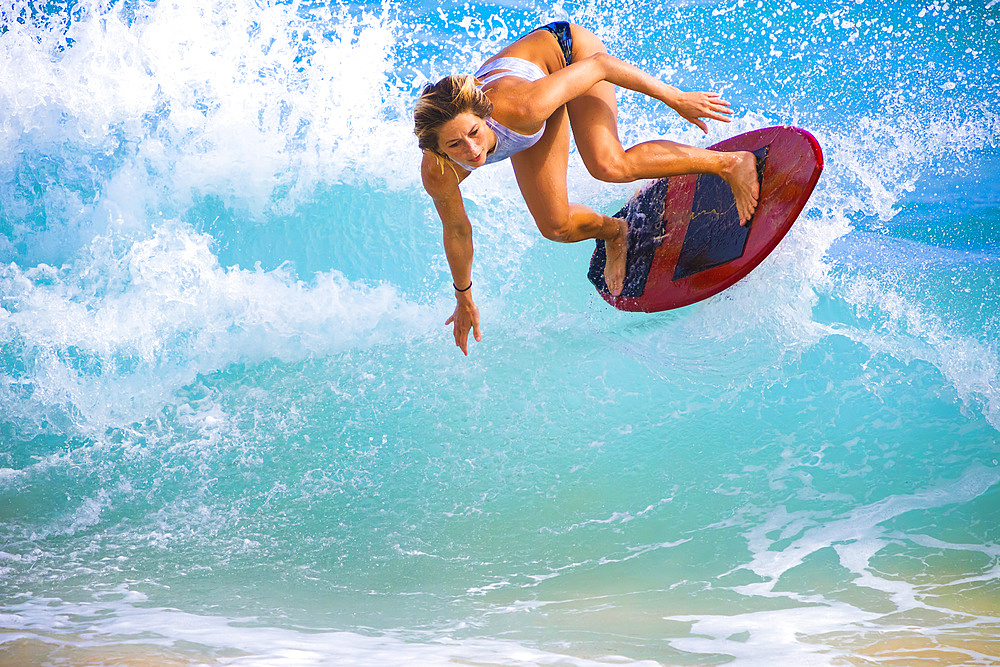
x: 708, y: 105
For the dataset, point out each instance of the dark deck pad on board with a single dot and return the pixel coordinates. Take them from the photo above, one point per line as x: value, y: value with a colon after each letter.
x: 644, y: 215
x: 714, y: 235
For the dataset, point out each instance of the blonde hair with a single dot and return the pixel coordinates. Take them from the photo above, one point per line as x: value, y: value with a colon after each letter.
x: 442, y: 101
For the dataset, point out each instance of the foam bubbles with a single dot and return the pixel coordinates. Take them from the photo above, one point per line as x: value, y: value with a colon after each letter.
x: 144, y: 112
x: 109, y: 337
x: 153, y: 633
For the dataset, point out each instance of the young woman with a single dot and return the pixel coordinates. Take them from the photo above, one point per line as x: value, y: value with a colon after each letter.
x: 522, y: 104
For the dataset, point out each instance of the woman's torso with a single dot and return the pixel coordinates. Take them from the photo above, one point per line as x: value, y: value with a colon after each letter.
x: 538, y: 47
x: 528, y: 59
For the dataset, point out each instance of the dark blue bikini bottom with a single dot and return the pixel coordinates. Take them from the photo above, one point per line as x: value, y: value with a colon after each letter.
x: 560, y: 30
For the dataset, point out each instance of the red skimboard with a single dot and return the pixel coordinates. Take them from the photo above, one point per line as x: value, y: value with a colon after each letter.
x: 685, y: 239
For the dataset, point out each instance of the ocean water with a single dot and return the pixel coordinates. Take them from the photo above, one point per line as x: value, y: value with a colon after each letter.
x: 234, y: 429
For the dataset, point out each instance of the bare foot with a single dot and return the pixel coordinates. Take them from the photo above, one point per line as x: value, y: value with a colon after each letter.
x: 741, y: 175
x: 616, y: 250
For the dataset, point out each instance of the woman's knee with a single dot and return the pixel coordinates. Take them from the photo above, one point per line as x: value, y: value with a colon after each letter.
x: 555, y: 229
x: 610, y: 168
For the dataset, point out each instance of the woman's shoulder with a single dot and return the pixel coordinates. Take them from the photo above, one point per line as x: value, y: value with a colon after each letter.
x: 440, y: 175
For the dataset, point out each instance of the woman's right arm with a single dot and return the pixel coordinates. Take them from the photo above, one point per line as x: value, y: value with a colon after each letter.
x: 442, y: 186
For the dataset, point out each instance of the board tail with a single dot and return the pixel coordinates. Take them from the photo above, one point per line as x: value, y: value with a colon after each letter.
x: 644, y: 216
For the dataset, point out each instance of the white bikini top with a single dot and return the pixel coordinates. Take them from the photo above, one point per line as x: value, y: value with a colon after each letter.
x: 509, y: 142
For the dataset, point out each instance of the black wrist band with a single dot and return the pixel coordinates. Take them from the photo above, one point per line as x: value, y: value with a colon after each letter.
x: 462, y: 290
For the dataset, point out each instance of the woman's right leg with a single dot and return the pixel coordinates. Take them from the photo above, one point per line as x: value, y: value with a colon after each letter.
x: 541, y: 177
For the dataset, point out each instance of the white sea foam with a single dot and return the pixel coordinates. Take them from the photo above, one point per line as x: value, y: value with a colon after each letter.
x: 107, y: 339
x: 913, y: 331
x: 810, y: 629
x: 121, y: 627
x: 220, y: 97
x: 860, y: 529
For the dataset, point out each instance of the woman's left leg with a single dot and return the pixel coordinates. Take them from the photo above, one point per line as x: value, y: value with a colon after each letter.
x: 594, y: 119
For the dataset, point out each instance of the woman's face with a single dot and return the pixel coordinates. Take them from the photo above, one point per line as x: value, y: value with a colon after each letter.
x: 466, y: 139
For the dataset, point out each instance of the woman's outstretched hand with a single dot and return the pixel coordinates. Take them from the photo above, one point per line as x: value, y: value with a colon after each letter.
x: 465, y: 317
x: 694, y: 106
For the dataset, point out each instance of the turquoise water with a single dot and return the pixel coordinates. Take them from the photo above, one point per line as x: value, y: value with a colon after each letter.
x: 234, y: 430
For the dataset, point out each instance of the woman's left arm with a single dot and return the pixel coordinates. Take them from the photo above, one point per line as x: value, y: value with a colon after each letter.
x: 551, y: 92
